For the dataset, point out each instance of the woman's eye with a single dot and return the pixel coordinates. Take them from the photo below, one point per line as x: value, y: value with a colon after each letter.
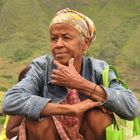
x: 66, y: 37
x: 53, y: 38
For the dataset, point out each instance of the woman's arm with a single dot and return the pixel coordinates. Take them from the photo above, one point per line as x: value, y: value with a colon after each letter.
x: 77, y: 109
x: 23, y: 99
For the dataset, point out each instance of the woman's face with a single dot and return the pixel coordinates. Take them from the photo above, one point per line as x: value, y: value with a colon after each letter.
x: 66, y: 42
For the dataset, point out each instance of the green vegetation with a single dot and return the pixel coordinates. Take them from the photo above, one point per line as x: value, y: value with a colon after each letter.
x: 1, y: 98
x: 24, y: 34
x: 2, y: 118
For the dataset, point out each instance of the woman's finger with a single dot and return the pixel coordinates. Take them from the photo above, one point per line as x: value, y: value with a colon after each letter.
x: 71, y: 62
x: 59, y: 66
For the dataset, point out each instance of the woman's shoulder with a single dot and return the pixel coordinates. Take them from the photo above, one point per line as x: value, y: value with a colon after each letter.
x: 42, y: 61
x: 43, y: 58
x: 97, y: 64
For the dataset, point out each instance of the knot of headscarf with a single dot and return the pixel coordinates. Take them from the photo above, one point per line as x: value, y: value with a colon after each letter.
x: 80, y: 22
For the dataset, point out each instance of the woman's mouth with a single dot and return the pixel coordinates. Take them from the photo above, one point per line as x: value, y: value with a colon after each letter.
x: 61, y: 54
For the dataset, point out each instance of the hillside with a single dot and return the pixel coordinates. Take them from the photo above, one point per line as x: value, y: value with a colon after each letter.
x: 24, y: 34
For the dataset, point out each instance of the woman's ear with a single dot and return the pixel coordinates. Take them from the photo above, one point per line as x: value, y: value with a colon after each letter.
x: 85, y: 44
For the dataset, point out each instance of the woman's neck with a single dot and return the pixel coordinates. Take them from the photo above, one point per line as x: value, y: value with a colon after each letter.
x: 78, y: 65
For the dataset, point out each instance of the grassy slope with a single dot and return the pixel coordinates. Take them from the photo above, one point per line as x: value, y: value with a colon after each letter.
x: 24, y: 34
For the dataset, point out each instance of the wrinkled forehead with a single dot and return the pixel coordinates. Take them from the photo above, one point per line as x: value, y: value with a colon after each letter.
x: 63, y: 28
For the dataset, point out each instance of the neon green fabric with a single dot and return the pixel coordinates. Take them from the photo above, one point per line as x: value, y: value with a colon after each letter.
x: 105, y: 77
x: 136, y: 128
x: 125, y: 130
x: 3, y: 132
x: 112, y: 134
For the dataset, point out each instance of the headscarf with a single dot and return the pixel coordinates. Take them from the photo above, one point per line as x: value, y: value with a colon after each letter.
x: 79, y: 21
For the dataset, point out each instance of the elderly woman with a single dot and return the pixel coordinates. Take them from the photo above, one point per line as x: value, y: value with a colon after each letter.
x: 62, y: 96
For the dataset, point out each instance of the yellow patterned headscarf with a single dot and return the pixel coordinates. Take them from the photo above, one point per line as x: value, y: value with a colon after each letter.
x: 77, y: 20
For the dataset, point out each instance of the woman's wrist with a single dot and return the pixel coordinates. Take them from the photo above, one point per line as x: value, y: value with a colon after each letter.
x: 93, y: 91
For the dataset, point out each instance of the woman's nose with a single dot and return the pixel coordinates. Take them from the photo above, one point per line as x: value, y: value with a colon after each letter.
x: 60, y: 43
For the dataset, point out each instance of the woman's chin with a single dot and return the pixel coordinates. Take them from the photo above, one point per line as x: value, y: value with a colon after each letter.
x: 63, y: 61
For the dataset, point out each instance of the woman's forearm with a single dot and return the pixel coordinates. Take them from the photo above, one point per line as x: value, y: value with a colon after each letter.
x: 66, y: 109
x: 56, y: 109
x: 90, y: 89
